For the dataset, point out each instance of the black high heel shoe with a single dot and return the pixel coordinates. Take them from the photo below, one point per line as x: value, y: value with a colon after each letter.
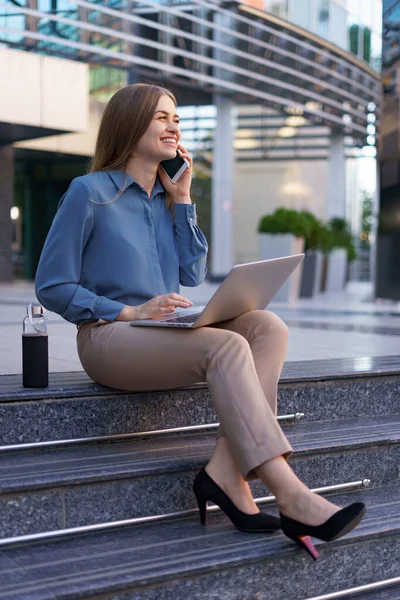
x: 337, y: 525
x: 205, y: 489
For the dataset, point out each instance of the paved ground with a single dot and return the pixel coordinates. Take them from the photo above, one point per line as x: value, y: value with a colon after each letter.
x: 336, y: 325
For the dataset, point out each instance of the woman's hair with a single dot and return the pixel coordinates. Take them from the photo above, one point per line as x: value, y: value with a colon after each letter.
x: 126, y: 118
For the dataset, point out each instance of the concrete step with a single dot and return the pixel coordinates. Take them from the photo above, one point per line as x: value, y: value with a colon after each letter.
x: 75, y: 407
x: 180, y: 559
x: 95, y: 483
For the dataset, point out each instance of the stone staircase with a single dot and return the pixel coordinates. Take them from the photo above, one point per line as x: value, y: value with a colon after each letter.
x: 96, y: 500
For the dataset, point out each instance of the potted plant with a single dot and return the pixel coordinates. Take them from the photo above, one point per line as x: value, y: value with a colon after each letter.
x: 326, y: 245
x: 342, y: 252
x: 282, y: 234
x: 313, y: 260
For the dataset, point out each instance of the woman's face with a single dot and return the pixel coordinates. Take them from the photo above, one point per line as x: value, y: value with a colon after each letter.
x: 163, y: 134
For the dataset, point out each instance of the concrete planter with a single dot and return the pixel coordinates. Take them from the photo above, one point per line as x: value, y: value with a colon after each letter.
x: 336, y: 271
x: 312, y: 274
x: 275, y: 246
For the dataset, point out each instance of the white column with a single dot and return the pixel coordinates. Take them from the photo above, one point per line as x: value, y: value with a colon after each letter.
x: 223, y: 157
x: 222, y: 187
x: 337, y: 176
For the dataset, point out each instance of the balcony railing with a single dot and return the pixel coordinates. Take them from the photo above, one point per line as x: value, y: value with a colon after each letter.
x: 233, y: 50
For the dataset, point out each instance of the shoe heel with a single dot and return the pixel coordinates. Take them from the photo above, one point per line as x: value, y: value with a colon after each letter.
x: 304, y: 541
x: 202, y: 502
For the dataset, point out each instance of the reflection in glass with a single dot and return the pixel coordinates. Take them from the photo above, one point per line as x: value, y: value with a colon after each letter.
x: 376, y: 52
x: 377, y: 16
x: 365, y: 13
x: 10, y: 18
x: 338, y: 18
x: 277, y: 7
x: 366, y: 54
x: 353, y: 7
x: 301, y: 13
x: 354, y: 36
x: 323, y: 18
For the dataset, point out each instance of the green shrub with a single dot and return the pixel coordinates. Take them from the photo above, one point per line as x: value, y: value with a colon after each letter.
x: 317, y: 235
x: 342, y: 236
x: 313, y: 238
x: 285, y: 220
x: 325, y: 239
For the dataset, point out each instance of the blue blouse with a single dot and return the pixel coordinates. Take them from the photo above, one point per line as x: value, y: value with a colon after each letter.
x: 102, y: 253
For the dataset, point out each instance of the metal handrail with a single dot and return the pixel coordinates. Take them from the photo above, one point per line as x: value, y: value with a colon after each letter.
x: 126, y: 436
x: 202, y: 59
x: 174, y: 10
x: 355, y: 591
x: 198, y: 57
x: 73, y: 531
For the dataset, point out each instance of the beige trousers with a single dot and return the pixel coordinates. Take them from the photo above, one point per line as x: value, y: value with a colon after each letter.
x: 241, y: 360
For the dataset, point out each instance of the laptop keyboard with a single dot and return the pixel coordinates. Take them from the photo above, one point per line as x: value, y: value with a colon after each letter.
x: 184, y: 319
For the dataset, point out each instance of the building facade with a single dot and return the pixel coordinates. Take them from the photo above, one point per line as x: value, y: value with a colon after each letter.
x: 388, y: 246
x: 354, y: 25
x: 270, y: 109
x: 296, y: 167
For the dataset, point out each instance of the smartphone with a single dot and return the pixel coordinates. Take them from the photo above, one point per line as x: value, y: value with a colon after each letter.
x: 175, y: 167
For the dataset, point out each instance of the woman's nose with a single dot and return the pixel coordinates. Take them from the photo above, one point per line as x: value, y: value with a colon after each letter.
x: 173, y: 127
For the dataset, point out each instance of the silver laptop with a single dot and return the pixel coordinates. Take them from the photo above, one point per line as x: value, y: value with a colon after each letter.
x: 246, y: 287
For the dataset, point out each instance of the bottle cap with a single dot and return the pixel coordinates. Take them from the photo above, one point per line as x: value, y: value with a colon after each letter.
x: 36, y: 309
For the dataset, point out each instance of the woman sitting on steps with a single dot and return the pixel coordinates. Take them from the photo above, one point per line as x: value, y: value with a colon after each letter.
x: 123, y: 239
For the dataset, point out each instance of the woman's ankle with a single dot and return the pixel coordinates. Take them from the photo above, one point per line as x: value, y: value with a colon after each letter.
x: 307, y: 507
x: 234, y: 486
x: 291, y: 500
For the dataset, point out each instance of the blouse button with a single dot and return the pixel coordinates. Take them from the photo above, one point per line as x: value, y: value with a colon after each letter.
x: 190, y: 219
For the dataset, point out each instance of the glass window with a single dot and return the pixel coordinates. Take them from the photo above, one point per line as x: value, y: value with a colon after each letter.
x: 354, y: 40
x: 12, y: 19
x: 43, y: 5
x: 338, y: 20
x: 277, y: 7
x: 300, y: 13
x: 366, y: 53
x: 322, y: 18
x: 377, y: 16
x: 366, y: 13
x: 376, y: 51
x: 353, y: 7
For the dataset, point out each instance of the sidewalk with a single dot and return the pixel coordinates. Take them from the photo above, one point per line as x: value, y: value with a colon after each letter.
x: 335, y: 325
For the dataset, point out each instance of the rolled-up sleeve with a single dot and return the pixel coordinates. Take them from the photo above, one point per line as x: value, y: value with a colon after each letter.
x: 192, y: 245
x: 58, y: 277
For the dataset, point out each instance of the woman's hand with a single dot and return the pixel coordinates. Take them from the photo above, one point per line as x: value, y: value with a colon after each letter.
x: 180, y: 191
x: 157, y: 307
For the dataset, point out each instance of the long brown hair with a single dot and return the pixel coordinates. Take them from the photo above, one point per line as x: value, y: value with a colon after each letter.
x: 126, y: 118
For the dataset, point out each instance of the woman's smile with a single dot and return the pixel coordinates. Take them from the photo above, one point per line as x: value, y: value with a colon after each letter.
x: 170, y: 141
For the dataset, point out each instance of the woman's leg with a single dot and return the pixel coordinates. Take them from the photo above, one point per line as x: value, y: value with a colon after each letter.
x: 294, y: 498
x: 140, y: 358
x: 125, y: 357
x: 267, y: 336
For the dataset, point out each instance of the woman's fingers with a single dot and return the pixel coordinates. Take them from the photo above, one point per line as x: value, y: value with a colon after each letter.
x: 183, y: 153
x: 175, y: 300
x: 162, y: 305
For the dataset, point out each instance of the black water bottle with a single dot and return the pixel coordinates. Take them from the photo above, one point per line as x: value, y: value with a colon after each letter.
x: 35, y: 351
